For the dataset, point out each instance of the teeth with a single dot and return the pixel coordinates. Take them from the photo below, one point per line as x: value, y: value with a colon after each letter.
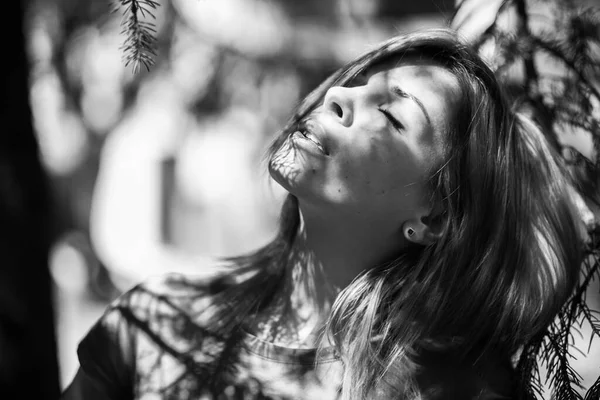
x: 312, y: 138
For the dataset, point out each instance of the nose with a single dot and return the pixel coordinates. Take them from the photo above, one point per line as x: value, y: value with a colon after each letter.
x: 339, y: 102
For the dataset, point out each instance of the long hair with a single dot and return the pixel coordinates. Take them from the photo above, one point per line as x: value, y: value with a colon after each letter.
x: 507, y: 260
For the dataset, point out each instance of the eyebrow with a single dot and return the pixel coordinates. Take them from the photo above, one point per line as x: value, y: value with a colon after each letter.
x: 401, y: 93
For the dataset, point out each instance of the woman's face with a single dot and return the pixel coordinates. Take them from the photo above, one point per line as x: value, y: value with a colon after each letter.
x: 371, y: 146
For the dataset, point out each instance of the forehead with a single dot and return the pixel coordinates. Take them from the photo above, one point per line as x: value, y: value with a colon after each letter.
x: 433, y: 84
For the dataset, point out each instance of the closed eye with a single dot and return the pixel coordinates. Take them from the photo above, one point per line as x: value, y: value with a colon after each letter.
x: 392, y: 120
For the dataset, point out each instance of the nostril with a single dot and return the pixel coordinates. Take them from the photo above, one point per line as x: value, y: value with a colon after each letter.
x: 337, y: 109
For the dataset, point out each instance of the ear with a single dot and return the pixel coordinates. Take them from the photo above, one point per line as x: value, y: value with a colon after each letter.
x: 424, y: 230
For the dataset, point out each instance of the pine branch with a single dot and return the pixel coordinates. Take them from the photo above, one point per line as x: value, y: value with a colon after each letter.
x: 560, y: 53
x: 594, y: 321
x: 569, y: 100
x: 594, y: 391
x: 139, y: 46
x: 523, y: 30
x: 529, y: 374
x: 563, y: 377
x: 510, y: 48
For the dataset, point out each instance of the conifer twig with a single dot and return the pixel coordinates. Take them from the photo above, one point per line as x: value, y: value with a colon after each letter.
x: 139, y: 29
x: 559, y: 102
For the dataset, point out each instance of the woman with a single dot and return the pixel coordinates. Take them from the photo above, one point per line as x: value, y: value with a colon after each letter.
x: 426, y: 237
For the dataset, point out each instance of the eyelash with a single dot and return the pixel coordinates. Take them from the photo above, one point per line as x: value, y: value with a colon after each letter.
x: 392, y: 120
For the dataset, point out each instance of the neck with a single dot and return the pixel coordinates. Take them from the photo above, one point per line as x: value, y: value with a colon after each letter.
x: 342, y: 247
x: 327, y: 255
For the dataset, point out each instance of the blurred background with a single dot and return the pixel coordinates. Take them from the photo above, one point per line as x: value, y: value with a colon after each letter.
x: 163, y: 170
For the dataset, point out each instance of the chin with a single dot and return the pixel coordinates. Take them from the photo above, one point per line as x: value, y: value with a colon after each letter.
x: 295, y: 186
x: 278, y: 177
x: 284, y: 169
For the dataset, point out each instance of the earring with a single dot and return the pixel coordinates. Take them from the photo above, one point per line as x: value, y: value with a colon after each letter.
x: 410, y: 231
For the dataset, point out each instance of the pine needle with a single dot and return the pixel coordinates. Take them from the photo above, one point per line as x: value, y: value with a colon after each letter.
x: 139, y: 47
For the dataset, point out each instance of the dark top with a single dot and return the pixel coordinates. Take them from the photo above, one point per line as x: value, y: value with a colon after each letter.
x: 155, y: 342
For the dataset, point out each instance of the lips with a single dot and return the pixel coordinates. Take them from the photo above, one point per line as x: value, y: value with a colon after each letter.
x: 313, y: 132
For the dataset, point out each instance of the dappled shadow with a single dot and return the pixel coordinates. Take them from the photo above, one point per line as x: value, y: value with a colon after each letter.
x: 187, y: 347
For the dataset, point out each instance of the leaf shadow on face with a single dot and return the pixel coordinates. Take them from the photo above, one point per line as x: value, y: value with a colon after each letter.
x: 285, y: 162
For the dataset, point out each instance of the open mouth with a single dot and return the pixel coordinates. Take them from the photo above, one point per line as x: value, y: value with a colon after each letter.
x: 306, y: 130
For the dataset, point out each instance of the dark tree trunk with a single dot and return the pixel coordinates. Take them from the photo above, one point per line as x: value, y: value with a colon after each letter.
x: 28, y: 361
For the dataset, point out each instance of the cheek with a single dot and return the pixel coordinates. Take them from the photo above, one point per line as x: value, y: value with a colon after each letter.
x: 397, y: 179
x: 371, y: 175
